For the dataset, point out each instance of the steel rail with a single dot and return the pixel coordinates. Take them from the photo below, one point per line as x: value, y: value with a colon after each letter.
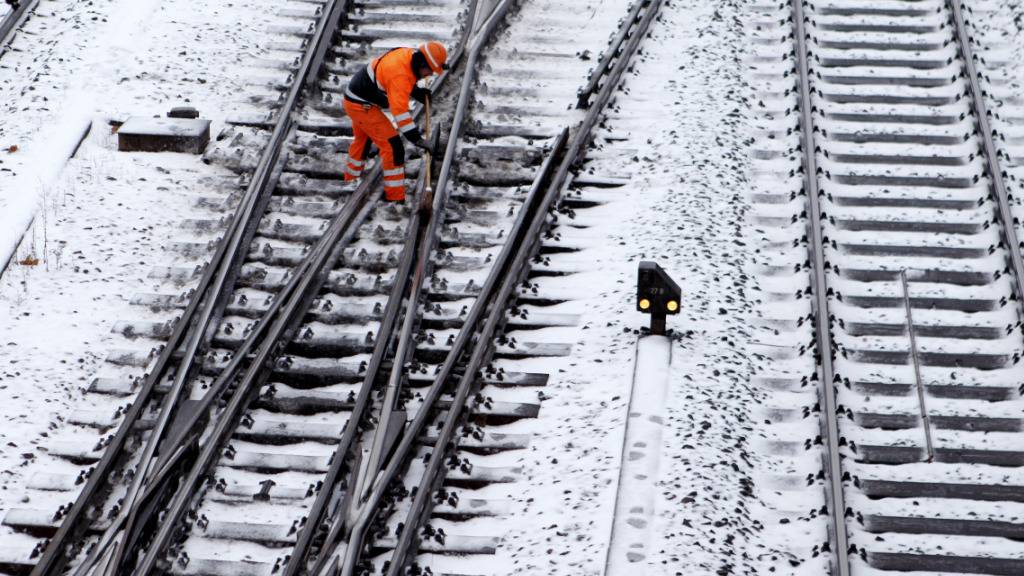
x: 329, y: 503
x: 292, y: 303
x: 330, y: 494
x: 357, y: 529
x: 391, y: 415
x: 610, y: 53
x: 213, y: 288
x: 228, y: 375
x: 191, y: 423
x: 191, y: 428
x: 838, y: 536
x: 328, y: 252
x: 260, y: 190
x: 509, y: 269
x: 426, y: 245
x: 1008, y: 230
x: 282, y: 318
x: 287, y: 312
x: 486, y: 300
x: 12, y: 21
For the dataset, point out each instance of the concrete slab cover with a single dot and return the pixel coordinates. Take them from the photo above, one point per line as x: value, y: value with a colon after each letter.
x: 641, y: 452
x: 141, y: 134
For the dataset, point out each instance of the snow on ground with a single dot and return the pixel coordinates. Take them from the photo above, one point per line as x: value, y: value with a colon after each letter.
x: 683, y: 117
x: 102, y: 221
x: 784, y: 395
x: 997, y: 32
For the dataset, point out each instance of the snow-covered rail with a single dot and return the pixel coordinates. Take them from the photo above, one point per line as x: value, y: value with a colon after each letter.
x: 11, y: 18
x: 917, y: 280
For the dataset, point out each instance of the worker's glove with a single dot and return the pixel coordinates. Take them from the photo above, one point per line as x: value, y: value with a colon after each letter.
x: 425, y: 146
x: 420, y: 94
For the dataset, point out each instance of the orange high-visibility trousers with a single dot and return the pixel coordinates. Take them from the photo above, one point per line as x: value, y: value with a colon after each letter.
x: 370, y: 123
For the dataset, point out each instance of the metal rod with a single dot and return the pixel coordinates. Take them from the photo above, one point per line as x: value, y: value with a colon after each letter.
x: 917, y: 366
x: 839, y: 538
x: 426, y: 137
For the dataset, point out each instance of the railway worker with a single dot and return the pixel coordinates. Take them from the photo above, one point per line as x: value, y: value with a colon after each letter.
x: 388, y: 82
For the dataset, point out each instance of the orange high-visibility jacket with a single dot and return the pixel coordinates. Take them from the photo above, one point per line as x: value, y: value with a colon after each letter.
x: 387, y: 82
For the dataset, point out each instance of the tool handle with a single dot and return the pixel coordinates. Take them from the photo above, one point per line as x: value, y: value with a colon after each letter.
x: 426, y: 131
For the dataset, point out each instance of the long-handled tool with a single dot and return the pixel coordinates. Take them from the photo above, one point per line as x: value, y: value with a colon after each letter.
x: 427, y: 200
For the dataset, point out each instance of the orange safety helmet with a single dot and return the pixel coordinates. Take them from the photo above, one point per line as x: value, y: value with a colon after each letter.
x: 436, y: 56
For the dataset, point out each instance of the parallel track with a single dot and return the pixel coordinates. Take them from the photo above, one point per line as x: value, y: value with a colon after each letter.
x: 917, y: 280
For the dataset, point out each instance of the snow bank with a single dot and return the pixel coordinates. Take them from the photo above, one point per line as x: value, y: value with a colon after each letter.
x: 43, y: 161
x: 108, y: 217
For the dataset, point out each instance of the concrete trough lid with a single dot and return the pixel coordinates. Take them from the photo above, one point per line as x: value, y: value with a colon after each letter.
x: 187, y: 135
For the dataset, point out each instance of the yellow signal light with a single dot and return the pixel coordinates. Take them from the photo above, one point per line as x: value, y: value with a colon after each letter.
x: 645, y: 303
x: 672, y: 305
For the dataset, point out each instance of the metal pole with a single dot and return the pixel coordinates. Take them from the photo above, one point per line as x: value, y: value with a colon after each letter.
x: 657, y: 323
x: 917, y: 366
x: 426, y: 136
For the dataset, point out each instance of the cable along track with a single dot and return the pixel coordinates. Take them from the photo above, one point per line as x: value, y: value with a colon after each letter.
x: 916, y: 274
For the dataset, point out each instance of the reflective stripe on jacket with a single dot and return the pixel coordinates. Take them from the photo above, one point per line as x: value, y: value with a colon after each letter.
x: 387, y: 82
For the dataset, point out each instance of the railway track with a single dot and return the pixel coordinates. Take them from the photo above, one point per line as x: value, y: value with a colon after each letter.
x: 226, y: 281
x: 262, y: 432
x: 916, y: 280
x: 524, y: 178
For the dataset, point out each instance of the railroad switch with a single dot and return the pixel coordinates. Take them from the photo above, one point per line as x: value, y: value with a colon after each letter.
x: 656, y: 294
